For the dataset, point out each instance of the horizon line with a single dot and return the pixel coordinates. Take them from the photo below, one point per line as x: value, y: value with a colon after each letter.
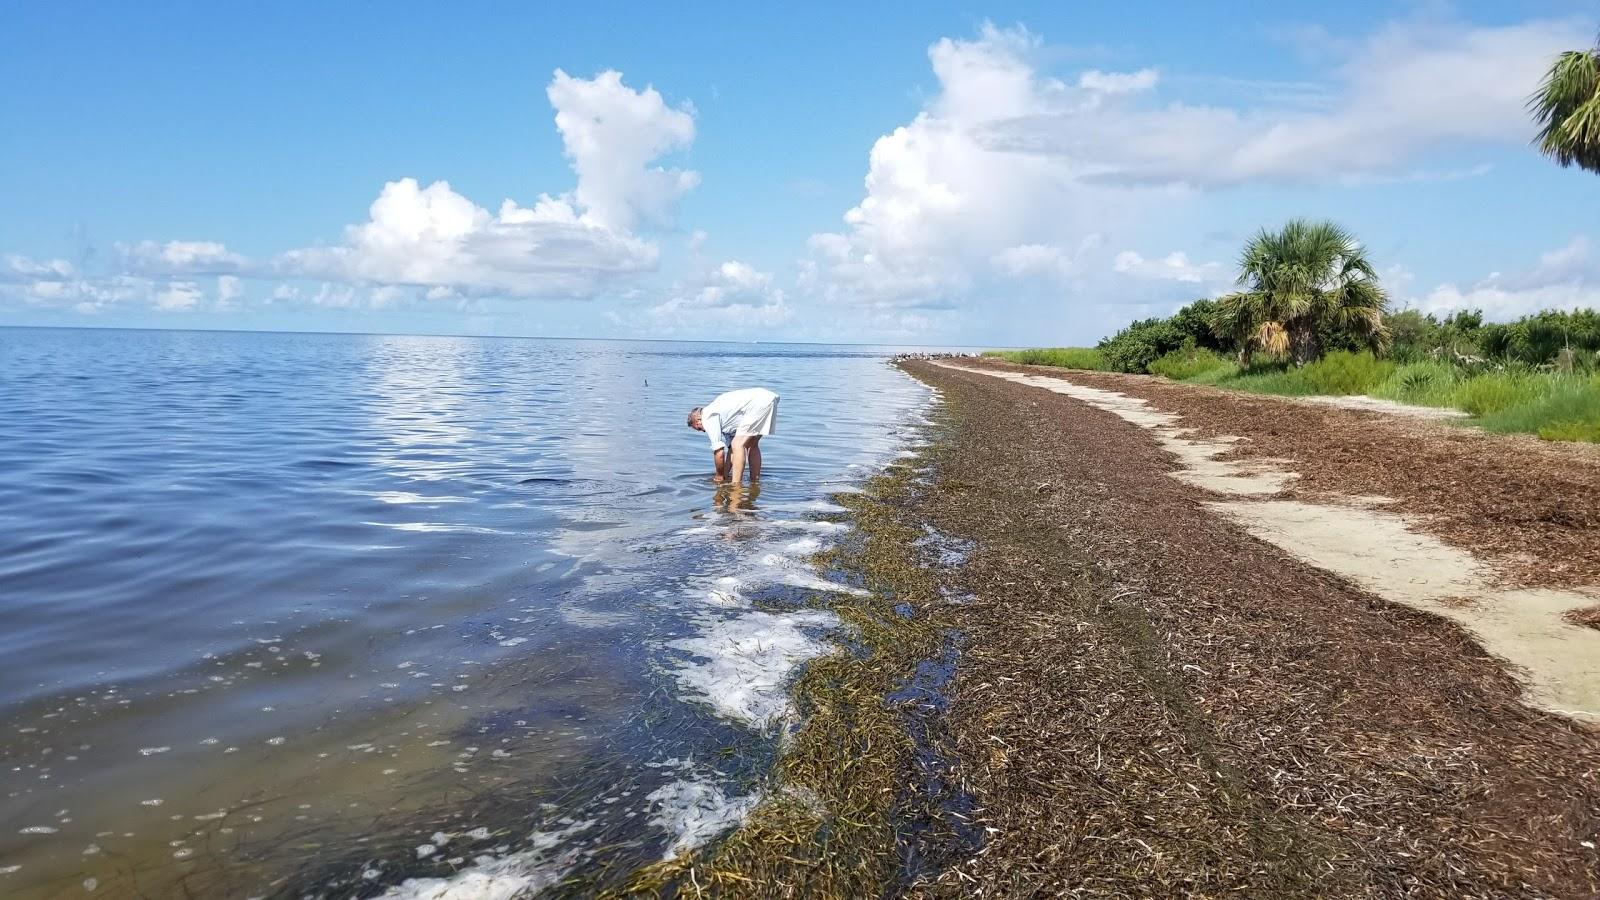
x: 508, y: 337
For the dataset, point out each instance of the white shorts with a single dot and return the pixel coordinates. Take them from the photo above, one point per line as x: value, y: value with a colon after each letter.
x: 759, y: 422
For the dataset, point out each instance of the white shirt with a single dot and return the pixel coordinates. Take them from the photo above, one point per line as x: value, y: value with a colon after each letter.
x: 722, y: 417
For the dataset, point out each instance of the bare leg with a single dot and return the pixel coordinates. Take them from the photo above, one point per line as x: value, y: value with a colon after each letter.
x: 736, y: 454
x: 755, y: 459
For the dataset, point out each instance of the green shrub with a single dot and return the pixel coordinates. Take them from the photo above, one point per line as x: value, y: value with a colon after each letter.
x: 1427, y: 383
x: 1344, y: 372
x: 1134, y: 348
x: 1572, y: 431
x: 1496, y: 392
x: 1555, y: 407
x: 1191, y: 363
x: 1060, y: 357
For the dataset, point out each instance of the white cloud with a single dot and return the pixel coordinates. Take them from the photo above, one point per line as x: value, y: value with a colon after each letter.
x: 1406, y: 89
x: 336, y: 296
x: 55, y: 284
x: 434, y: 237
x: 1118, y: 82
x: 387, y: 295
x: 612, y: 134
x: 944, y: 207
x: 980, y: 197
x: 1174, y: 266
x: 1032, y: 261
x: 229, y: 288
x: 182, y: 258
x: 572, y: 245
x: 732, y: 298
x: 178, y: 296
x: 1566, y: 278
x: 21, y: 268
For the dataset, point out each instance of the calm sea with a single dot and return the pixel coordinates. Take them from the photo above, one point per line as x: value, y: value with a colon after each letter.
x: 333, y: 615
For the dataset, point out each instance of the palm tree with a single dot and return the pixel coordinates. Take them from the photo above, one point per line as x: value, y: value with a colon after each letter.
x: 1567, y: 107
x: 1299, y: 281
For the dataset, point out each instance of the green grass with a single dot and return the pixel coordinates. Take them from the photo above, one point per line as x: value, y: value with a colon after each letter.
x: 1060, y: 357
x: 1429, y: 383
x: 1340, y: 372
x: 1555, y: 406
x: 1192, y: 365
x: 1497, y: 392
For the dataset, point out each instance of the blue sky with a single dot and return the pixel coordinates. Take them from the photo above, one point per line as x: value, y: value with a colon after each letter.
x: 996, y: 174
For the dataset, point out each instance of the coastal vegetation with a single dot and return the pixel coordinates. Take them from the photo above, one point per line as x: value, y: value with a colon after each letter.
x: 1301, y: 281
x: 1312, y: 318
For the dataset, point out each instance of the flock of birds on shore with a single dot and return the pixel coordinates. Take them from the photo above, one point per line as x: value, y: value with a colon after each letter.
x: 901, y: 357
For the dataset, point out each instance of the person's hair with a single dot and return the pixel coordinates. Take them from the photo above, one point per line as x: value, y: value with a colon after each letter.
x: 692, y: 413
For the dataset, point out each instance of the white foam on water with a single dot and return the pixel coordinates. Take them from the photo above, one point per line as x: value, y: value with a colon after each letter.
x: 776, y: 567
x: 817, y: 506
x: 805, y: 546
x: 517, y: 875
x: 812, y: 525
x: 695, y: 811
x: 741, y: 664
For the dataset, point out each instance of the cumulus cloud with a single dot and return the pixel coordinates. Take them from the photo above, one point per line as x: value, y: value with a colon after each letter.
x: 178, y: 296
x: 1406, y: 89
x: 23, y: 269
x: 1174, y: 266
x: 995, y: 188
x: 56, y: 284
x: 181, y: 258
x: 943, y: 205
x: 430, y: 243
x: 229, y: 289
x: 434, y: 237
x: 1565, y: 278
x: 734, y: 297
x: 612, y: 135
x: 570, y: 245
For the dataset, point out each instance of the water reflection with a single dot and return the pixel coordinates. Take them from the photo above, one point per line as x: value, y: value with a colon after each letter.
x: 319, y: 615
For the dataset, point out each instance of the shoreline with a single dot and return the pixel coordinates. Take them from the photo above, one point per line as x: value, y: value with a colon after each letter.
x: 1150, y: 695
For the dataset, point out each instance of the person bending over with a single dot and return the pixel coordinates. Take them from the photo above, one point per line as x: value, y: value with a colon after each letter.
x: 736, y: 422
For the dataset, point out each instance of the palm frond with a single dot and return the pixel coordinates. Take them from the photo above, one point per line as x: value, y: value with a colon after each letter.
x: 1567, y: 109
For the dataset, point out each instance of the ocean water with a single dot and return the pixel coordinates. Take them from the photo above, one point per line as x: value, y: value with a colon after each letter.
x: 340, y: 615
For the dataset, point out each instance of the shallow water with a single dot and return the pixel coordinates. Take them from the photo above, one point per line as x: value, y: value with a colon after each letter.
x: 333, y: 615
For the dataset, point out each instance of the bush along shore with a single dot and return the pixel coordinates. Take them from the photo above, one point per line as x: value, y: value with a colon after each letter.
x: 1330, y: 332
x: 1492, y: 372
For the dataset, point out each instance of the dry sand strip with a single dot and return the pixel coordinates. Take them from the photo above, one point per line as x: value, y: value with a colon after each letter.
x: 1154, y: 699
x: 1386, y: 554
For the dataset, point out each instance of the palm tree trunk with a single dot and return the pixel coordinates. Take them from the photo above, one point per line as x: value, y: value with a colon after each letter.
x: 1304, y: 345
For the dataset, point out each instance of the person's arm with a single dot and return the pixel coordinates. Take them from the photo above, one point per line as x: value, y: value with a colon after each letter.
x: 712, y: 423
